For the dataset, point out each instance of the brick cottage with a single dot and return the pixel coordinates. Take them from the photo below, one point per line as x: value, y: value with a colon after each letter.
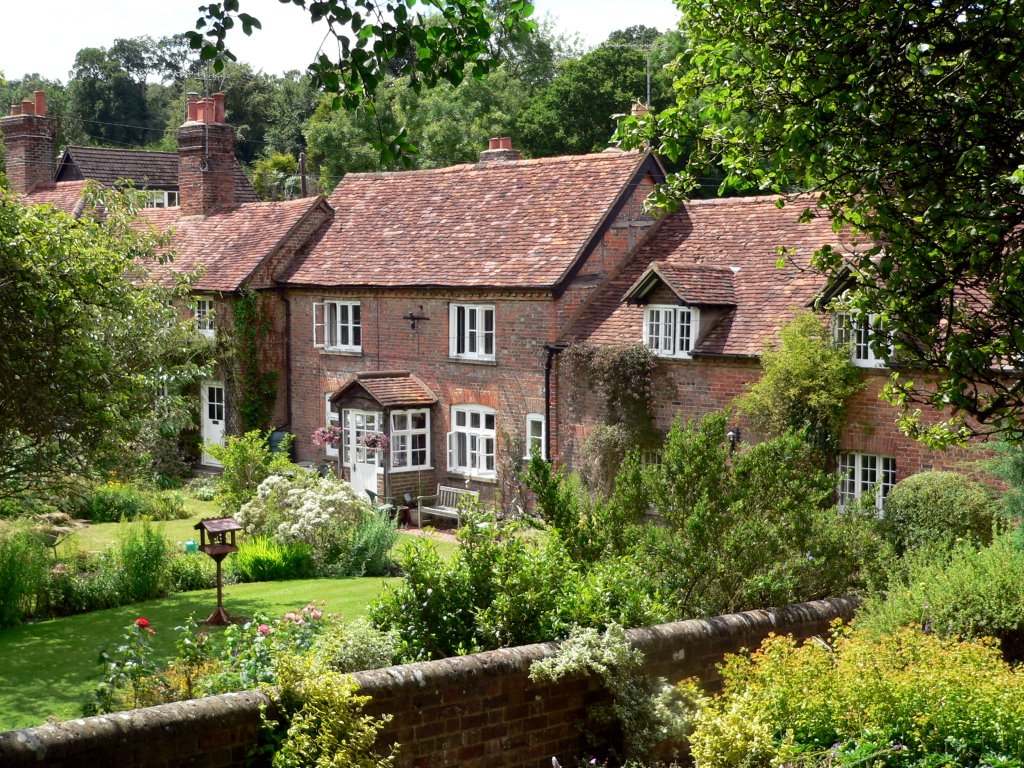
x: 432, y: 305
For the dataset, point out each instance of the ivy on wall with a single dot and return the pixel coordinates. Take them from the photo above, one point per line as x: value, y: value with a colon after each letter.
x: 253, y: 387
x: 622, y: 374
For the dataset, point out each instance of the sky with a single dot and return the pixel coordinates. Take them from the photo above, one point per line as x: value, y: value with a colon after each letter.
x: 43, y: 37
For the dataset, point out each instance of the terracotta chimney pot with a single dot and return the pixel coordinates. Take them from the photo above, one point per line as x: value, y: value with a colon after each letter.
x: 218, y: 107
x: 28, y: 107
x: 15, y: 109
x: 493, y: 143
x: 192, y: 110
x: 505, y: 142
x: 40, y: 103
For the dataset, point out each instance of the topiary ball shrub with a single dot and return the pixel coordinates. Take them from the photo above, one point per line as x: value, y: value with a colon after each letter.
x: 938, y: 509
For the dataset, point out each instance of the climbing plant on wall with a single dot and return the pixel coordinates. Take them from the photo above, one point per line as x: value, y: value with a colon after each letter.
x: 622, y: 374
x: 254, y: 387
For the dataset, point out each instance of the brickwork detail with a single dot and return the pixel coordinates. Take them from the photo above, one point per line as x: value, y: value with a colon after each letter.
x: 30, y: 146
x: 473, y: 711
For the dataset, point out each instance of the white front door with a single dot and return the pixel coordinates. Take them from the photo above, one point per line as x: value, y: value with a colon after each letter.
x: 362, y: 462
x: 212, y: 417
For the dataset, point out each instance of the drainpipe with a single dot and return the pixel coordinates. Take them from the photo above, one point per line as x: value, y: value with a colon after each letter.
x: 287, y: 359
x: 552, y: 350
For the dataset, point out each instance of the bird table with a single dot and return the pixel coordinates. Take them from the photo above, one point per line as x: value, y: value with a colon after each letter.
x: 217, y: 539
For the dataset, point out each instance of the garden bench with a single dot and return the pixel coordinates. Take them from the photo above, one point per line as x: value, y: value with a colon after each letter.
x: 444, y: 503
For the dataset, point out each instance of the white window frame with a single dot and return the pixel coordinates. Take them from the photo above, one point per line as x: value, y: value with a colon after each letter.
x: 536, y: 420
x: 472, y: 343
x: 337, y: 326
x: 865, y: 473
x: 860, y: 334
x: 476, y: 444
x: 205, y: 316
x: 161, y: 198
x: 402, y: 440
x: 332, y: 418
x: 671, y: 331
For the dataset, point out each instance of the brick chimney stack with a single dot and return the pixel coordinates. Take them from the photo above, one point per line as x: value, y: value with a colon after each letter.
x: 206, y: 157
x: 498, y: 150
x: 30, y: 140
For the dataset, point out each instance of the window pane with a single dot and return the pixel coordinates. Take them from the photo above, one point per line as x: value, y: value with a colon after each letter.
x: 474, y: 419
x: 460, y: 330
x: 399, y: 421
x: 419, y: 420
x: 489, y: 421
x: 460, y: 418
x: 685, y: 317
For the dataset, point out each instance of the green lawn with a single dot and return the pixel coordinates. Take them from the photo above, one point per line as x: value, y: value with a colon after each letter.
x: 47, y: 668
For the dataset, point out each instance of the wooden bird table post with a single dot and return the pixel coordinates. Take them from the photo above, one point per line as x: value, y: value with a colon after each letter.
x: 217, y: 539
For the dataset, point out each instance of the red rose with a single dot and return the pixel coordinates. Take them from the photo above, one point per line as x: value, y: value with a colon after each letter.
x: 141, y: 622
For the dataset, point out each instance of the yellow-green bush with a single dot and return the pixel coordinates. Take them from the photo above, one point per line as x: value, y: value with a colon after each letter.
x: 906, y: 699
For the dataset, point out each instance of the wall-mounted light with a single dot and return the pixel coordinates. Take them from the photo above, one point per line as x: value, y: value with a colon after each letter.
x: 733, y: 436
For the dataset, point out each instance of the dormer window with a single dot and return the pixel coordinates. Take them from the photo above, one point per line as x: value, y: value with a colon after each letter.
x: 671, y: 331
x: 864, y: 336
x: 161, y: 198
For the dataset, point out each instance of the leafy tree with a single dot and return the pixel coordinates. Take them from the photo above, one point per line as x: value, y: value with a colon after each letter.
x: 274, y: 177
x: 107, y: 96
x: 905, y: 119
x: 376, y: 40
x: 575, y: 113
x: 91, y: 344
x: 805, y: 383
x: 292, y: 102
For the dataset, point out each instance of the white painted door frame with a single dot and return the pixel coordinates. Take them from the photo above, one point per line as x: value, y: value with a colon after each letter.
x: 212, y: 417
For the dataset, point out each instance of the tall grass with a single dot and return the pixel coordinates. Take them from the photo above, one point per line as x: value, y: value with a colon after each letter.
x: 142, y: 554
x: 23, y: 567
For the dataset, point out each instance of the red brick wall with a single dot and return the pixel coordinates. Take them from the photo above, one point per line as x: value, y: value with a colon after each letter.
x: 206, y: 156
x: 513, y: 384
x: 30, y: 147
x: 477, y: 711
x: 691, y: 388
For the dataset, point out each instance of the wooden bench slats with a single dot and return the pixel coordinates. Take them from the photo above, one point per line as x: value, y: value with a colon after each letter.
x: 445, y: 503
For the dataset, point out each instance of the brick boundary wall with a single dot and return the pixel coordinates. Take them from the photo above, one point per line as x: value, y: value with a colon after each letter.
x: 467, y: 711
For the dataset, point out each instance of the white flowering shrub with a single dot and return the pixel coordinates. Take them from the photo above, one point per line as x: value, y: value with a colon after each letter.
x: 296, y: 508
x: 347, y: 536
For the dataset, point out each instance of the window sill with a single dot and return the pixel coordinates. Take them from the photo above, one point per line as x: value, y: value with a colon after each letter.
x: 672, y: 357
x: 490, y: 479
x: 471, y: 361
x: 404, y: 470
x: 342, y: 352
x: 877, y: 365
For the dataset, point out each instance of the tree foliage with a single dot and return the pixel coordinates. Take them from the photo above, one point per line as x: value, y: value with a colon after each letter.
x: 89, y: 344
x: 905, y: 119
x: 805, y: 383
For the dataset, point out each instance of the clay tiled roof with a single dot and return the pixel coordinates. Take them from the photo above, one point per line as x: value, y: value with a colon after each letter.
x: 64, y: 195
x: 497, y: 224
x: 693, y: 283
x: 229, y: 243
x: 735, y: 232
x: 158, y: 170
x: 389, y: 388
x: 107, y: 166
